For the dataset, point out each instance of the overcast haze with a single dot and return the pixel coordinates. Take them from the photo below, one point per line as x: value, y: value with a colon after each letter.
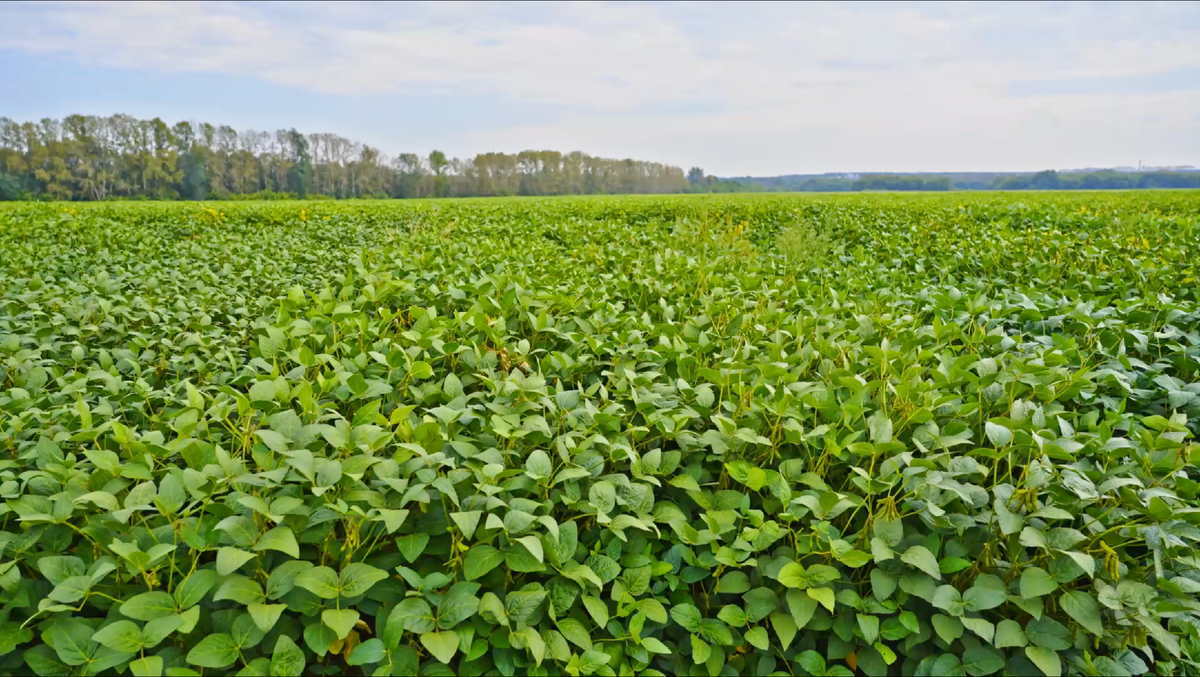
x: 737, y: 89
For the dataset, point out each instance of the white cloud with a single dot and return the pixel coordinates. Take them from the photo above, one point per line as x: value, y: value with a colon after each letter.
x: 763, y: 88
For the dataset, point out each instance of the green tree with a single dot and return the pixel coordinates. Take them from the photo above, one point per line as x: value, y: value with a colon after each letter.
x: 438, y: 164
x: 300, y: 173
x: 10, y: 187
x: 1047, y: 180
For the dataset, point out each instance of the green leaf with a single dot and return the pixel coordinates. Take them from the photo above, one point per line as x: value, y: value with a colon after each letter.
x: 868, y: 625
x: 457, y: 604
x: 341, y: 621
x: 230, y: 560
x: 157, y: 630
x: 1083, y: 560
x: 58, y: 568
x: 394, y: 519
x: 319, y: 637
x: 716, y: 632
x: 148, y: 606
x: 356, y: 579
x: 13, y: 635
x: 538, y: 465
x: 882, y: 585
x: 979, y: 661
x: 823, y: 595
x: 785, y: 629
x: 732, y: 616
x: 283, y: 577
x: 320, y: 581
x: 1035, y: 582
x: 412, y: 614
x: 1049, y: 634
x: 240, y: 589
x: 412, y: 545
x: 421, y: 371
x: 802, y: 607
x: 533, y: 642
x: 120, y: 636
x: 603, y: 495
x: 265, y: 615
x: 655, y: 646
x: 1083, y: 608
x: 71, y: 639
x: 812, y: 662
x: 854, y: 558
x: 581, y: 574
x: 279, y: 538
x: 577, y: 634
x: 192, y: 589
x: 467, y: 522
x: 757, y: 637
x: 287, y: 660
x: 891, y: 532
x: 148, y: 666
x: 71, y: 590
x: 988, y: 592
x: 1009, y: 633
x: 951, y: 565
x: 442, y: 645
x: 997, y: 434
x: 700, y: 650
x: 214, y: 651
x: 686, y: 615
x: 492, y: 609
x: 792, y: 575
x: 979, y: 626
x: 880, y: 428
x: 370, y: 651
x: 480, y: 560
x: 821, y: 573
x: 734, y: 583
x: 947, y: 627
x: 760, y: 603
x: 597, y: 609
x: 920, y: 557
x: 592, y: 660
x: 1045, y: 659
x: 604, y: 567
x: 947, y: 598
x: 534, y: 545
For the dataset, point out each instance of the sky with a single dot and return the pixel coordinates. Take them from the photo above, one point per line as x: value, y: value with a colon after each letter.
x: 737, y: 89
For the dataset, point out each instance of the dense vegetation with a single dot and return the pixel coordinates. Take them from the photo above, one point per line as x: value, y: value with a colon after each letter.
x: 87, y: 157
x: 918, y: 435
x: 1047, y: 180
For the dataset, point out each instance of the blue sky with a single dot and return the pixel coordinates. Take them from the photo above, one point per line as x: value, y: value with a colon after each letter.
x: 735, y: 88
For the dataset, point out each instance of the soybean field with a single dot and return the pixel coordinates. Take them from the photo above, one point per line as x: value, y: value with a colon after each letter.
x: 673, y: 435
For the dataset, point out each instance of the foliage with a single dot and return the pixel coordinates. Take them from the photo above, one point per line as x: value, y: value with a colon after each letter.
x: 601, y: 436
x: 87, y: 157
x: 1048, y: 180
x: 805, y: 243
x: 10, y: 187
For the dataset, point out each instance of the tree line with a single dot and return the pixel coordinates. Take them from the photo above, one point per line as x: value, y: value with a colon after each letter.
x: 1101, y: 180
x: 1045, y: 180
x: 88, y: 157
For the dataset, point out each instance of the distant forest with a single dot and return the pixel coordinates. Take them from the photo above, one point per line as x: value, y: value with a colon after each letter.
x: 87, y: 157
x: 1046, y: 180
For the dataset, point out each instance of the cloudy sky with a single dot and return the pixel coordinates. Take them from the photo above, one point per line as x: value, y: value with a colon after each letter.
x: 738, y: 89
